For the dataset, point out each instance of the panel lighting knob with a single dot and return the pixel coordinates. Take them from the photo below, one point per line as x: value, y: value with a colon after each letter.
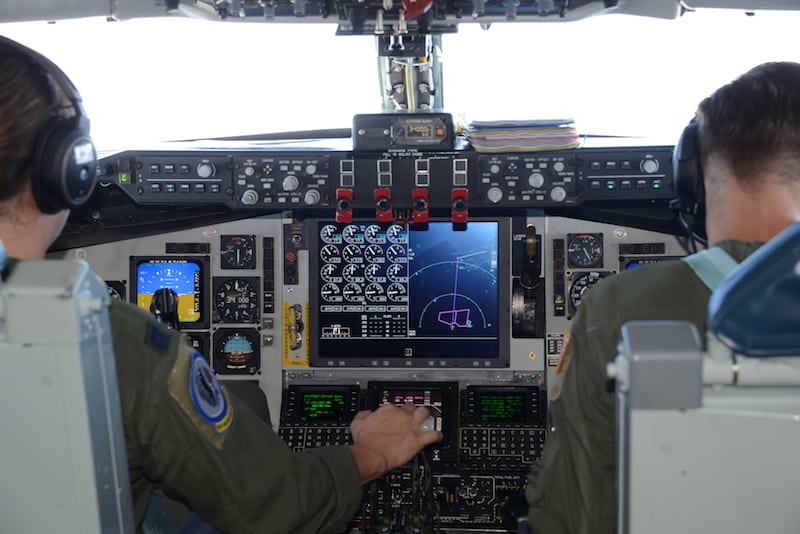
x: 494, y: 194
x: 311, y: 197
x: 249, y: 197
x: 649, y: 166
x: 536, y: 180
x: 291, y: 183
x: 558, y: 194
x: 205, y: 170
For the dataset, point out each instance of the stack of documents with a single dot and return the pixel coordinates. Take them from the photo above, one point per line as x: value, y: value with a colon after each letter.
x: 521, y: 135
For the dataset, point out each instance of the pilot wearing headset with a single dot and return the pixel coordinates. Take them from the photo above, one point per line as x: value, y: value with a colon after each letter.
x: 183, y: 431
x: 742, y: 153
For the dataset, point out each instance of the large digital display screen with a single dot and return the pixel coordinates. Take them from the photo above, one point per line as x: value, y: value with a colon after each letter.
x: 384, y: 295
x: 186, y: 276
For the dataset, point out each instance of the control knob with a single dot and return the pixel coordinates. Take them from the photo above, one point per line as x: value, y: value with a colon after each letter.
x: 205, y: 170
x: 536, y: 180
x: 311, y: 197
x: 291, y: 183
x: 494, y: 194
x: 249, y: 197
x: 558, y: 194
x: 649, y: 166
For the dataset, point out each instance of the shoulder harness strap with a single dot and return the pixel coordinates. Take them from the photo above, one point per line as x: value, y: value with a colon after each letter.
x: 711, y: 266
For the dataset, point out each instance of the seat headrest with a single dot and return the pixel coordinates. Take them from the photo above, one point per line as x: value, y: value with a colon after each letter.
x: 756, y: 310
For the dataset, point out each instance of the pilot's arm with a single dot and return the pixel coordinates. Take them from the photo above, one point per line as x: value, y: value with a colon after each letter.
x: 183, y: 431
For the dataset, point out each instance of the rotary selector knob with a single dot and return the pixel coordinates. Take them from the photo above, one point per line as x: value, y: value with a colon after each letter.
x: 249, y: 171
x: 494, y: 168
x: 311, y: 197
x: 494, y: 194
x: 311, y: 169
x: 536, y: 180
x: 291, y: 183
x: 558, y: 166
x: 249, y: 197
x: 558, y: 194
x: 205, y: 170
x: 649, y: 166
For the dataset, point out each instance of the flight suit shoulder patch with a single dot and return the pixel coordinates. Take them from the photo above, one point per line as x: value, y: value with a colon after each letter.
x: 196, y: 389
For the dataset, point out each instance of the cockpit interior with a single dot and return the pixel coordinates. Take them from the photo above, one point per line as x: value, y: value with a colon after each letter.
x: 396, y: 240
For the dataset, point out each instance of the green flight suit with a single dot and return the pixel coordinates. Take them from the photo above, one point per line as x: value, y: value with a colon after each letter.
x: 187, y: 435
x: 572, y: 488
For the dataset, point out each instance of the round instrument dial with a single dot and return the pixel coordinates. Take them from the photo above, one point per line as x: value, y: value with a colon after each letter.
x: 580, y: 284
x: 329, y: 234
x: 396, y: 234
x: 237, y: 251
x: 585, y: 250
x: 372, y: 234
x: 236, y: 300
x: 352, y: 234
x: 236, y: 351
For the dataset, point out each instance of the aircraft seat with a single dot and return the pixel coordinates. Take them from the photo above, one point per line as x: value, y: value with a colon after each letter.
x: 63, y: 466
x: 706, y: 439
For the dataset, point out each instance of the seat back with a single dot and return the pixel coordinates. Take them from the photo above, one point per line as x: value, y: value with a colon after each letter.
x: 63, y: 465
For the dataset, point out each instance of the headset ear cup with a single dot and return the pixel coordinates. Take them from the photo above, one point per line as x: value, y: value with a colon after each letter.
x: 64, y: 167
x: 688, y: 174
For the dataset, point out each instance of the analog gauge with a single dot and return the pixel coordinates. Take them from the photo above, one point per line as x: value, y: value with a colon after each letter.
x: 328, y: 273
x: 373, y: 234
x: 352, y: 254
x: 580, y: 284
x: 116, y: 289
x: 585, y: 250
x: 330, y: 234
x: 396, y: 234
x: 353, y: 293
x: 396, y: 273
x: 374, y: 254
x: 352, y: 234
x: 331, y: 293
x: 236, y: 351
x: 352, y: 273
x: 236, y: 300
x: 396, y: 254
x: 397, y: 293
x: 237, y: 251
x: 375, y: 293
x: 330, y: 254
x: 372, y: 273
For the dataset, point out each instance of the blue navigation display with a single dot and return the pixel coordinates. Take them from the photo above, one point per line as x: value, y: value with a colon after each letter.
x: 385, y: 295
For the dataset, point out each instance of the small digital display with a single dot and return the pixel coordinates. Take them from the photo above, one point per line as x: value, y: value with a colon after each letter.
x: 323, y: 406
x: 185, y: 276
x: 419, y: 130
x: 439, y: 398
x: 501, y: 407
x: 317, y: 405
x: 429, y: 398
x: 436, y: 297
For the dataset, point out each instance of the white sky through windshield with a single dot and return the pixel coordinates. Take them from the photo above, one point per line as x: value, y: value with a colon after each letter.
x: 171, y: 78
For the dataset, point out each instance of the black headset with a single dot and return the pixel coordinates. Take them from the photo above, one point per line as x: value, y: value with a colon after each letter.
x: 687, y: 172
x: 63, y: 171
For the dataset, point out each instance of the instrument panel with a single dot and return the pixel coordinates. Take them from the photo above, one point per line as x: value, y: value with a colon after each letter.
x: 338, y: 281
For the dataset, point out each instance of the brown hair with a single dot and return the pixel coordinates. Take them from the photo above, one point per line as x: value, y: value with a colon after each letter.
x: 753, y: 123
x: 28, y: 99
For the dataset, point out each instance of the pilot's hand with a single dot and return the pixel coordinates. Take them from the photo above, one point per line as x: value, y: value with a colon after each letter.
x: 388, y: 438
